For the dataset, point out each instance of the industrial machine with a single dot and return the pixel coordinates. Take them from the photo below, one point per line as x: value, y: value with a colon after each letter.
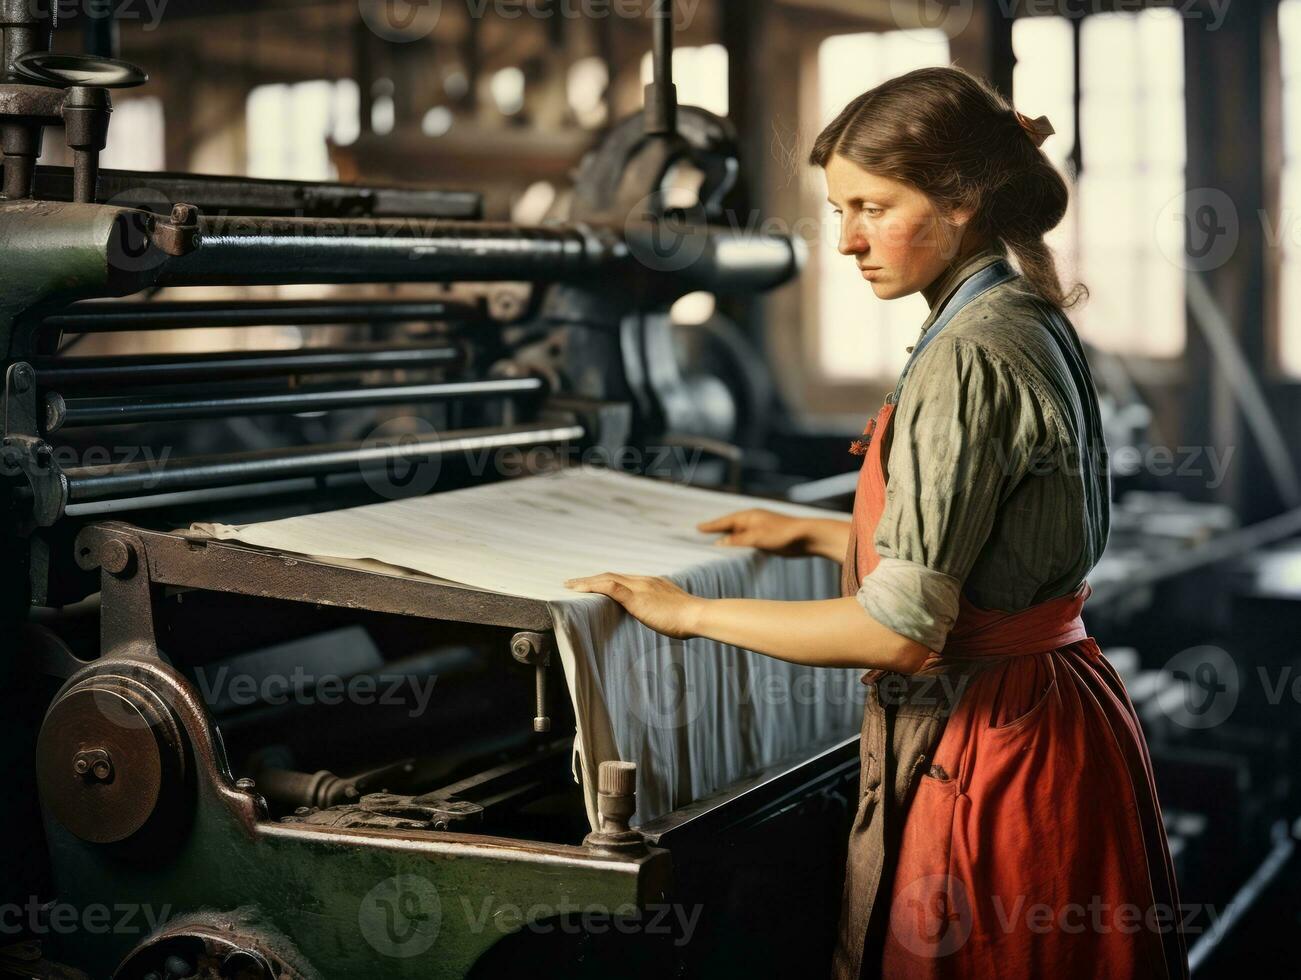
x: 179, y: 754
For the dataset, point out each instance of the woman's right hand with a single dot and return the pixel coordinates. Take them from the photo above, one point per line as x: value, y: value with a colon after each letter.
x: 766, y: 530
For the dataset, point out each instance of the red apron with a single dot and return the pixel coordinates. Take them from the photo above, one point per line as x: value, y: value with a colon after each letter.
x: 1033, y: 844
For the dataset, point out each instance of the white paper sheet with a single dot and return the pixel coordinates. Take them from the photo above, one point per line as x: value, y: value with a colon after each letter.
x: 695, y: 716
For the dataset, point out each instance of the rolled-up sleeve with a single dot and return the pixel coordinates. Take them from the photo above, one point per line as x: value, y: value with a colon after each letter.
x: 966, y: 430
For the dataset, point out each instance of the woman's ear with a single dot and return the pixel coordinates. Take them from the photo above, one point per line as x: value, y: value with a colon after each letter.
x: 961, y: 217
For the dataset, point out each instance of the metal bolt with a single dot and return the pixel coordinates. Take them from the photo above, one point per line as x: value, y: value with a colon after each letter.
x: 116, y: 556
x: 246, y: 963
x: 521, y: 648
x: 23, y: 378
x: 245, y: 784
x: 541, y: 717
x: 95, y: 762
x: 184, y: 214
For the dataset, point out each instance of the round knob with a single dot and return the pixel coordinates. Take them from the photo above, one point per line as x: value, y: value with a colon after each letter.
x: 64, y: 70
x: 617, y: 778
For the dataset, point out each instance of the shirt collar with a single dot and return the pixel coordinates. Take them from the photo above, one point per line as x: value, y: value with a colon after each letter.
x: 959, y: 273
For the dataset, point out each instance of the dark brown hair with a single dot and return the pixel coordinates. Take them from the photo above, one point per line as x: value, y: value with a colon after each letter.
x: 953, y: 137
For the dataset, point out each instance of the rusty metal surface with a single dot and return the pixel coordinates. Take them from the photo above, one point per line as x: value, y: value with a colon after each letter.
x: 178, y: 560
x: 211, y: 944
x: 36, y: 102
x: 109, y: 759
x: 126, y: 617
x: 315, y: 883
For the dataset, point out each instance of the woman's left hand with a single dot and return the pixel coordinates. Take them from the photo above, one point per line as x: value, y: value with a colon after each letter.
x: 656, y: 602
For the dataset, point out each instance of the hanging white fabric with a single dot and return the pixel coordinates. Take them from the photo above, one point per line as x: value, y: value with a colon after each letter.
x: 696, y: 716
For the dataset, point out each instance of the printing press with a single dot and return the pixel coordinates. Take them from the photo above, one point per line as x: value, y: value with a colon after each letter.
x: 273, y: 830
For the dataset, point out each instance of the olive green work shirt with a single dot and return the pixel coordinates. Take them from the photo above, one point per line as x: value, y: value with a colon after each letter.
x: 997, y: 478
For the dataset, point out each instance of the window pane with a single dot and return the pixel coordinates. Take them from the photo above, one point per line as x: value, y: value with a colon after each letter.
x: 1109, y: 55
x: 289, y: 127
x: 1286, y: 224
x: 850, y: 64
x: 860, y: 336
x: 1160, y: 38
x: 1290, y: 317
x: 700, y: 75
x: 135, y: 140
x: 1113, y: 129
x: 1132, y: 109
x: 1164, y: 323
x: 1042, y: 79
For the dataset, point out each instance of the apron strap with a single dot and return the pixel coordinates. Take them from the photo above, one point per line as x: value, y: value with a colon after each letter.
x: 986, y: 279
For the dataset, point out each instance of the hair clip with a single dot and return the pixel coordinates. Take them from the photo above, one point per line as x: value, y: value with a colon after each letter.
x: 1037, y: 129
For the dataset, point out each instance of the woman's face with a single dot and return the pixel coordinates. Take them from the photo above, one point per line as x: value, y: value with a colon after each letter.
x: 892, y: 230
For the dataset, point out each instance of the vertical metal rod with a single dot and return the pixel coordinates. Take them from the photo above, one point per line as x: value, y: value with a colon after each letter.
x: 661, y: 93
x: 541, y: 717
x: 85, y: 175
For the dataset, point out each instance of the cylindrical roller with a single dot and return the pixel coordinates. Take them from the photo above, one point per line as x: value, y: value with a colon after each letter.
x: 64, y: 413
x: 87, y: 483
x: 52, y: 372
x: 100, y: 316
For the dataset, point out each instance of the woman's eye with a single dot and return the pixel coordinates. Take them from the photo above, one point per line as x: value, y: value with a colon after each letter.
x: 873, y: 212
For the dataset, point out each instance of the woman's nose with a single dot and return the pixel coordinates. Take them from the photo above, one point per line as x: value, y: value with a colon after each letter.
x: 852, y: 239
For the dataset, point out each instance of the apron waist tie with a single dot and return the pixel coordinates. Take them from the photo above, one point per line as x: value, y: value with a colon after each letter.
x: 1042, y: 627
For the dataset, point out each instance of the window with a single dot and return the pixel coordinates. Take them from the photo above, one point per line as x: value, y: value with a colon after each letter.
x: 588, y: 80
x: 859, y: 336
x: 135, y: 136
x: 1287, y: 230
x: 700, y: 75
x: 1132, y: 182
x: 1042, y: 84
x: 289, y: 127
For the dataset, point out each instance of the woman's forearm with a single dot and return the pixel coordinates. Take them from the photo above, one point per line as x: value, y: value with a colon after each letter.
x: 827, y: 537
x: 820, y: 633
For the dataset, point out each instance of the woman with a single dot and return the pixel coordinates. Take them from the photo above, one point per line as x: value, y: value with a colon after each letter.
x: 1010, y: 830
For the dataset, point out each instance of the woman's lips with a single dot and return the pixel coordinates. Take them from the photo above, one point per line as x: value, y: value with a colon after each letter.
x: 870, y: 273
